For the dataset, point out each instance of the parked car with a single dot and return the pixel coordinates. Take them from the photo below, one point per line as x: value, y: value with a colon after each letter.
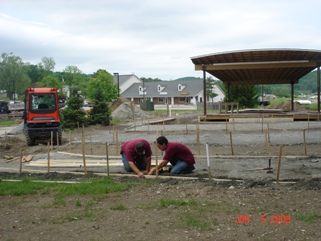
x: 264, y: 102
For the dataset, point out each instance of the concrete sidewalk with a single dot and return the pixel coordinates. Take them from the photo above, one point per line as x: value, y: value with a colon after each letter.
x: 6, y: 129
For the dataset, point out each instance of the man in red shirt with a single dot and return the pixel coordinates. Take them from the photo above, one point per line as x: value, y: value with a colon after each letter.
x: 179, y: 155
x: 136, y: 156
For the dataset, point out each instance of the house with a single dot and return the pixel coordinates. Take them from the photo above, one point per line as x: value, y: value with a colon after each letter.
x: 125, y: 81
x: 176, y: 92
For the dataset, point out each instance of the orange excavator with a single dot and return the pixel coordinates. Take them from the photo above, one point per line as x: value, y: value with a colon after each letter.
x: 41, y: 116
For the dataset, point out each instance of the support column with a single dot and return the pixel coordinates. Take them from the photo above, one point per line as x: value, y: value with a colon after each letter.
x: 204, y: 88
x: 318, y: 88
x: 292, y: 95
x: 228, y: 93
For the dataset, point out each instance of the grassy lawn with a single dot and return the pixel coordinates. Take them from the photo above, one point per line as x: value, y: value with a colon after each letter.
x: 7, y: 123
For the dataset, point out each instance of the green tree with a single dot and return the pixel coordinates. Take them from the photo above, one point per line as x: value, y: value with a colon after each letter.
x: 210, y: 86
x: 74, y: 114
x: 245, y: 95
x: 35, y: 74
x: 13, y: 74
x: 100, y: 112
x: 50, y: 81
x: 75, y: 79
x: 48, y: 64
x: 103, y: 82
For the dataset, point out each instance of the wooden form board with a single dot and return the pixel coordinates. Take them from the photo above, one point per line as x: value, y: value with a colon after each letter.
x: 76, y: 163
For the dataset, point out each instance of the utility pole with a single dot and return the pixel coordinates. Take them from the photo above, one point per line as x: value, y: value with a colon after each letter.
x: 117, y: 75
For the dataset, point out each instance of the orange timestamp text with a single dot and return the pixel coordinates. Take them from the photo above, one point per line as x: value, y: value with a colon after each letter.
x: 264, y: 219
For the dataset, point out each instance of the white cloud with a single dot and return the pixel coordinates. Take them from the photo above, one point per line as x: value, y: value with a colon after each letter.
x: 151, y: 38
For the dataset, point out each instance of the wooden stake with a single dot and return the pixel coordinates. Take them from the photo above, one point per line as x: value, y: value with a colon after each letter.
x: 308, y: 121
x: 186, y: 128
x: 107, y: 158
x: 69, y: 141
x: 208, y: 163
x: 268, y: 131
x: 51, y: 139
x: 156, y: 158
x: 267, y: 143
x: 163, y: 125
x: 279, y: 165
x: 83, y: 149
x: 226, y: 125
x: 262, y: 122
x: 113, y: 133
x: 233, y: 121
x: 231, y: 143
x: 57, y: 139
x: 117, y: 152
x: 91, y: 146
x: 48, y: 159
x: 198, y: 140
x: 304, y: 143
x: 20, y: 170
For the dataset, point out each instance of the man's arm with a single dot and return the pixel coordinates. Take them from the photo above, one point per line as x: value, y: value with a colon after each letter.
x: 160, y: 165
x: 136, y: 170
x: 148, y: 163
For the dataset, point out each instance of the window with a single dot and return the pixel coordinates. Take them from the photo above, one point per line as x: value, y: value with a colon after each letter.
x: 161, y: 100
x: 179, y: 87
x: 43, y: 101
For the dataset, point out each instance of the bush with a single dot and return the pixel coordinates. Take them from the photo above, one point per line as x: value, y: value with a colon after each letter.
x: 73, y: 115
x: 100, y: 114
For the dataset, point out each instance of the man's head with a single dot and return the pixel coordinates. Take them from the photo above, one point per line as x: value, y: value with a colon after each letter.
x: 162, y: 142
x: 140, y: 148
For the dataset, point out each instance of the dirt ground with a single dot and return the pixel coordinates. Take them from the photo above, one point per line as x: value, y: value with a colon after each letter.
x: 235, y: 203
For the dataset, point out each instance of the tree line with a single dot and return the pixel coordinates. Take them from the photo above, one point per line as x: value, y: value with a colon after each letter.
x: 16, y: 76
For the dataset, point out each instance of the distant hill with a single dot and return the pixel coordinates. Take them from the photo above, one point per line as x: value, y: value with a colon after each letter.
x: 190, y: 78
x: 306, y: 85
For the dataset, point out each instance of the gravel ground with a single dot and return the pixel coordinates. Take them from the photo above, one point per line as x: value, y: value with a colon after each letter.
x: 235, y: 203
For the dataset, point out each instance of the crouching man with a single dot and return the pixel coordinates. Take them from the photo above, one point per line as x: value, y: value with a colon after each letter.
x: 136, y: 156
x: 179, y: 155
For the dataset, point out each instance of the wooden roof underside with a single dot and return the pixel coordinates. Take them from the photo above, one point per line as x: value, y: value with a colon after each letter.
x: 257, y: 67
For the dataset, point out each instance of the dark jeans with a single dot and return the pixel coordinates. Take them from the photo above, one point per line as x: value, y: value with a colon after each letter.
x: 140, y: 164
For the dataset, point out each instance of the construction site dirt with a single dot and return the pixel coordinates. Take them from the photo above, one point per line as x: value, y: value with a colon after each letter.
x: 254, y: 179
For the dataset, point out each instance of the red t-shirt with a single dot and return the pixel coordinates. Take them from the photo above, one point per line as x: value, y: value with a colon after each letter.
x: 179, y: 151
x: 129, y: 149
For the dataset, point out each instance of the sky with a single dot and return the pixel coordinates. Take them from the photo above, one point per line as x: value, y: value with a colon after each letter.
x: 152, y: 39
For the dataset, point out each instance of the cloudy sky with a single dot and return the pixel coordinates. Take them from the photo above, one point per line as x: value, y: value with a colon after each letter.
x: 152, y: 38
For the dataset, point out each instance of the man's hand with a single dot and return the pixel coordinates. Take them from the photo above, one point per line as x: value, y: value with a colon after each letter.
x: 141, y: 175
x: 152, y: 171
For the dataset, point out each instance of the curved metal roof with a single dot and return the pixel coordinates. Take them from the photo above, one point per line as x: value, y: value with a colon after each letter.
x: 256, y: 67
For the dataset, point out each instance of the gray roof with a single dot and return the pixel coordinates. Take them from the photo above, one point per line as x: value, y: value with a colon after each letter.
x: 123, y: 78
x: 169, y: 89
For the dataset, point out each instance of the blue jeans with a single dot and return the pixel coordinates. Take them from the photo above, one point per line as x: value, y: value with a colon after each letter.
x: 180, y: 167
x: 140, y: 164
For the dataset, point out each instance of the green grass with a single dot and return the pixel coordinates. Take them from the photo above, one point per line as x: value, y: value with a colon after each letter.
x: 119, y: 207
x: 7, y: 123
x: 308, y: 217
x: 24, y: 187
x: 176, y: 202
x: 99, y: 186
x: 118, y: 121
x: 95, y: 186
x: 191, y: 220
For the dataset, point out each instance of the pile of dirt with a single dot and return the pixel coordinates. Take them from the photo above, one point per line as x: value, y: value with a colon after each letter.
x: 127, y: 111
x: 286, y: 105
x: 116, y: 103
